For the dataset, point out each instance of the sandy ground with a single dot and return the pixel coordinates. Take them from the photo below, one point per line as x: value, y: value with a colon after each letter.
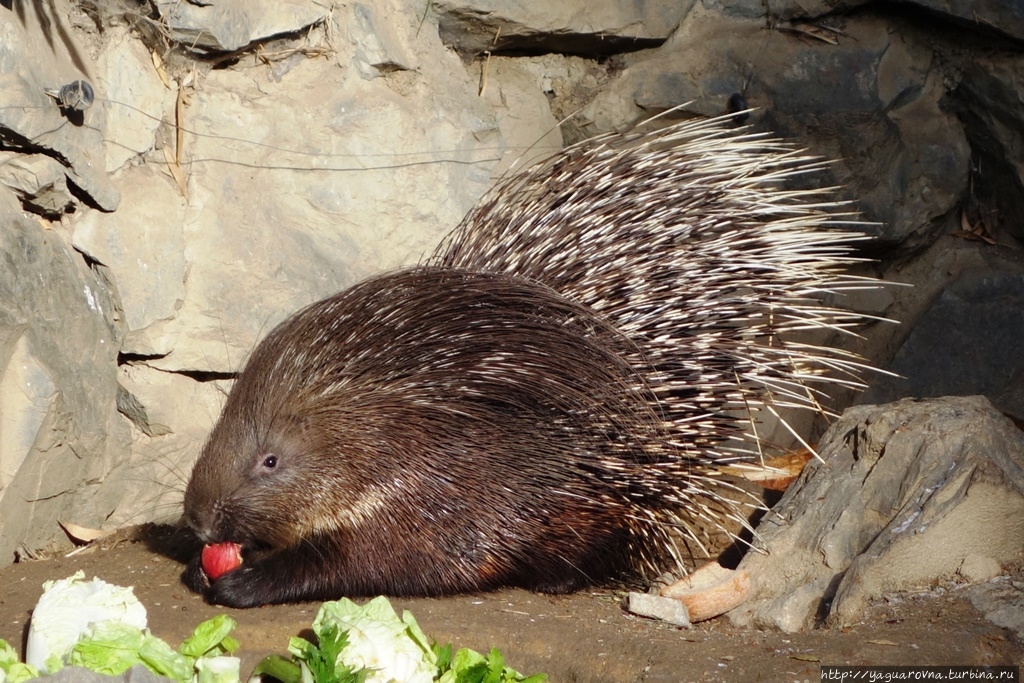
x: 582, y: 637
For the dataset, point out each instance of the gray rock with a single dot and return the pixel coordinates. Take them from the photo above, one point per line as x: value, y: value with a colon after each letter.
x: 39, y: 181
x: 995, y: 17
x: 474, y: 26
x: 657, y: 607
x: 229, y: 25
x: 33, y: 122
x: 871, y: 102
x: 968, y: 342
x: 906, y: 492
x: 58, y: 382
x: 785, y: 10
x: 990, y: 101
x: 983, y: 16
x: 1002, y: 603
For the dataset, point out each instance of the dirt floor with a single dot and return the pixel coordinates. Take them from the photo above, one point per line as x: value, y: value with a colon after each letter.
x: 581, y: 637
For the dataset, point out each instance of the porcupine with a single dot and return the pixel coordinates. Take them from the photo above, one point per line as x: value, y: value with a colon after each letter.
x: 547, y: 402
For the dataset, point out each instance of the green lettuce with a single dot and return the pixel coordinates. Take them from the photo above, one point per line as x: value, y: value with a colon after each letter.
x: 111, y: 647
x: 12, y: 670
x: 389, y: 648
x: 108, y: 647
x: 67, y: 609
x: 211, y: 638
x: 103, y: 628
x: 372, y: 644
x: 469, y: 666
x: 217, y: 670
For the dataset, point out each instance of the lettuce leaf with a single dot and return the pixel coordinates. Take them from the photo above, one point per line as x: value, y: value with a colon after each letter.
x: 217, y: 670
x: 12, y: 670
x: 387, y: 647
x: 211, y: 638
x: 161, y: 659
x: 469, y: 666
x: 108, y: 647
x: 67, y: 609
x: 112, y: 647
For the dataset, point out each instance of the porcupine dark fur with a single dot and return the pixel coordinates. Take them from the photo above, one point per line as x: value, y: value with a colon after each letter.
x: 547, y: 402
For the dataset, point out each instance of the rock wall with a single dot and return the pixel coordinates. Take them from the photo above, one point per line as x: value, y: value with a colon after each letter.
x: 242, y: 158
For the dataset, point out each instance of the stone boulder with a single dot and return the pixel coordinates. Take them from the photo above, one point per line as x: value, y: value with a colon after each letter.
x: 60, y: 434
x: 476, y: 26
x: 906, y: 495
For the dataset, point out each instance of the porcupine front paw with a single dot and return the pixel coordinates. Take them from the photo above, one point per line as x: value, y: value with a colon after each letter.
x: 274, y: 578
x: 241, y: 587
x: 194, y: 577
x: 246, y: 586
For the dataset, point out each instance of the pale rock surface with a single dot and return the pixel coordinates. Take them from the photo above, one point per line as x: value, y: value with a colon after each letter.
x: 657, y: 607
x: 38, y: 180
x: 528, y: 128
x: 179, y: 414
x: 979, y: 568
x: 143, y: 245
x: 229, y: 25
x: 136, y: 100
x: 26, y: 394
x: 305, y: 178
x: 379, y: 47
x: 31, y: 118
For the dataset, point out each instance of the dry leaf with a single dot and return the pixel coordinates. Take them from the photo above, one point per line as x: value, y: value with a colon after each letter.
x: 176, y: 172
x: 977, y: 232
x: 484, y: 71
x: 81, y: 534
x: 158, y: 64
x: 179, y: 127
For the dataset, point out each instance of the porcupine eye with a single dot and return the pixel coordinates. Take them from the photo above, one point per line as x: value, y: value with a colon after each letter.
x: 265, y: 465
